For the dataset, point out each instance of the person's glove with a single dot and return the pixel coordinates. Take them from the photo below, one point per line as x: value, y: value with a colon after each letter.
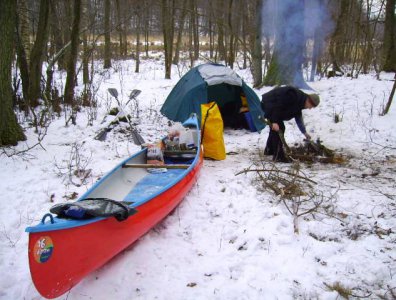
x: 307, y: 136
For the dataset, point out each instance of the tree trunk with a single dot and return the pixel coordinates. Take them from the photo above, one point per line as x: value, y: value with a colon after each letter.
x: 231, y: 44
x: 287, y: 59
x: 86, y: 50
x: 191, y: 40
x: 23, y: 52
x: 167, y: 9
x: 391, y: 96
x: 267, y: 53
x: 71, y: 67
x: 211, y: 33
x: 37, y: 55
x: 23, y: 26
x: 107, y: 49
x: 182, y: 18
x: 336, y: 47
x: 57, y: 33
x: 126, y: 23
x: 194, y: 20
x: 317, y: 49
x: 257, y: 69
x: 389, y: 52
x: 356, y: 44
x: 120, y: 29
x: 220, y: 31
x: 146, y: 27
x: 138, y: 29
x: 10, y: 131
x: 244, y: 33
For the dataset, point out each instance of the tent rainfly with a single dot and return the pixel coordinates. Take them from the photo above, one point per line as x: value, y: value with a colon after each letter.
x: 207, y: 83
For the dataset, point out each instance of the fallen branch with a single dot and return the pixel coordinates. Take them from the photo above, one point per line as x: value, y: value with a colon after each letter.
x: 277, y: 170
x: 295, y: 190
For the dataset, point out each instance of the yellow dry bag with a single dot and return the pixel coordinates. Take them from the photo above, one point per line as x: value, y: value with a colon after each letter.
x: 212, y: 131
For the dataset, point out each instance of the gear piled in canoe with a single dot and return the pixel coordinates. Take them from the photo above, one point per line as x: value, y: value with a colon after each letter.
x: 315, y: 151
x: 93, y: 207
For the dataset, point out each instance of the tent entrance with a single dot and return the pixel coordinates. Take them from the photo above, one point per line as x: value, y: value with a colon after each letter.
x: 228, y: 98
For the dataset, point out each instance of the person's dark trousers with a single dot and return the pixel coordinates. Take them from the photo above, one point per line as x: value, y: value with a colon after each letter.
x: 274, y: 145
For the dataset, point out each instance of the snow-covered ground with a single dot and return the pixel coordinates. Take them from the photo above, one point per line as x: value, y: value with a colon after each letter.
x: 229, y: 238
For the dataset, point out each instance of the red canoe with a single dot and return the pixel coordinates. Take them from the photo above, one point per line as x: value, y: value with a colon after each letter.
x: 62, y: 250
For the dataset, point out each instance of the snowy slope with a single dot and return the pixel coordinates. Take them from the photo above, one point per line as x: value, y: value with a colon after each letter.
x: 229, y: 238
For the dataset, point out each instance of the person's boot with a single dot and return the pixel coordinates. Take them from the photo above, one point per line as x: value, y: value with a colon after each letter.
x: 268, y: 151
x: 281, y: 157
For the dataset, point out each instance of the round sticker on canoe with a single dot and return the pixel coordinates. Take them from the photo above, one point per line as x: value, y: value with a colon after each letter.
x: 43, y: 249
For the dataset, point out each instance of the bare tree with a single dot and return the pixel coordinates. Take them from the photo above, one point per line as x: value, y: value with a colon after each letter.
x: 232, y: 26
x: 107, y: 50
x: 255, y: 8
x: 167, y: 18
x: 71, y: 67
x: 389, y: 52
x: 10, y: 131
x: 147, y: 16
x: 391, y: 96
x: 86, y: 50
x: 317, y: 30
x: 181, y: 20
x: 23, y: 46
x: 37, y: 55
x: 337, y: 45
x: 120, y: 30
x: 221, y: 50
x: 59, y: 32
x: 195, y: 30
x: 211, y: 25
x: 138, y: 33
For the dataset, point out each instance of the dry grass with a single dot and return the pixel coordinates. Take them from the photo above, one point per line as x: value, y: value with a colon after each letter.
x: 340, y: 289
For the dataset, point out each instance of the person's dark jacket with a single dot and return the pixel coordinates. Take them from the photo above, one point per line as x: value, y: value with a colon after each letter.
x: 283, y: 104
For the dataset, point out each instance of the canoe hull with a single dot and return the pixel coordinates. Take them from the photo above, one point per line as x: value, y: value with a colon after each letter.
x: 60, y: 259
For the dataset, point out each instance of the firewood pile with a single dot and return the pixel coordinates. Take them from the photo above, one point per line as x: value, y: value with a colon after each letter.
x: 314, y: 151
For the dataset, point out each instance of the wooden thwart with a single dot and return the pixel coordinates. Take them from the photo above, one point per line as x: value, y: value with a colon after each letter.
x: 147, y: 166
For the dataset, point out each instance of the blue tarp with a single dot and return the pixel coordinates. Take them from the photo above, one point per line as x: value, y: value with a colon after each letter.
x: 192, y: 90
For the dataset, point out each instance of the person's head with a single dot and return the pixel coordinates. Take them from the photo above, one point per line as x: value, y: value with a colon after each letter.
x: 312, y: 101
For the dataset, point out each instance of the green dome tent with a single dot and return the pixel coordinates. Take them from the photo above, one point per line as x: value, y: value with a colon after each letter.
x: 207, y: 83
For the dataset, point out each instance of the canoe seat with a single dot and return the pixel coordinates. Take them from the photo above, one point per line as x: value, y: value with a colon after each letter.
x: 152, y: 184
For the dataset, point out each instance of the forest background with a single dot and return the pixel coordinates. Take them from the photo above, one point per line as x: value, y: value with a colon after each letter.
x: 276, y: 40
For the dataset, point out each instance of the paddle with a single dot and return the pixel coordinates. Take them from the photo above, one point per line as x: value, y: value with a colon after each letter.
x: 102, y: 134
x: 137, y: 138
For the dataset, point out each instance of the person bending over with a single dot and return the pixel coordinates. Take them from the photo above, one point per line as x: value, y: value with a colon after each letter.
x: 282, y: 104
